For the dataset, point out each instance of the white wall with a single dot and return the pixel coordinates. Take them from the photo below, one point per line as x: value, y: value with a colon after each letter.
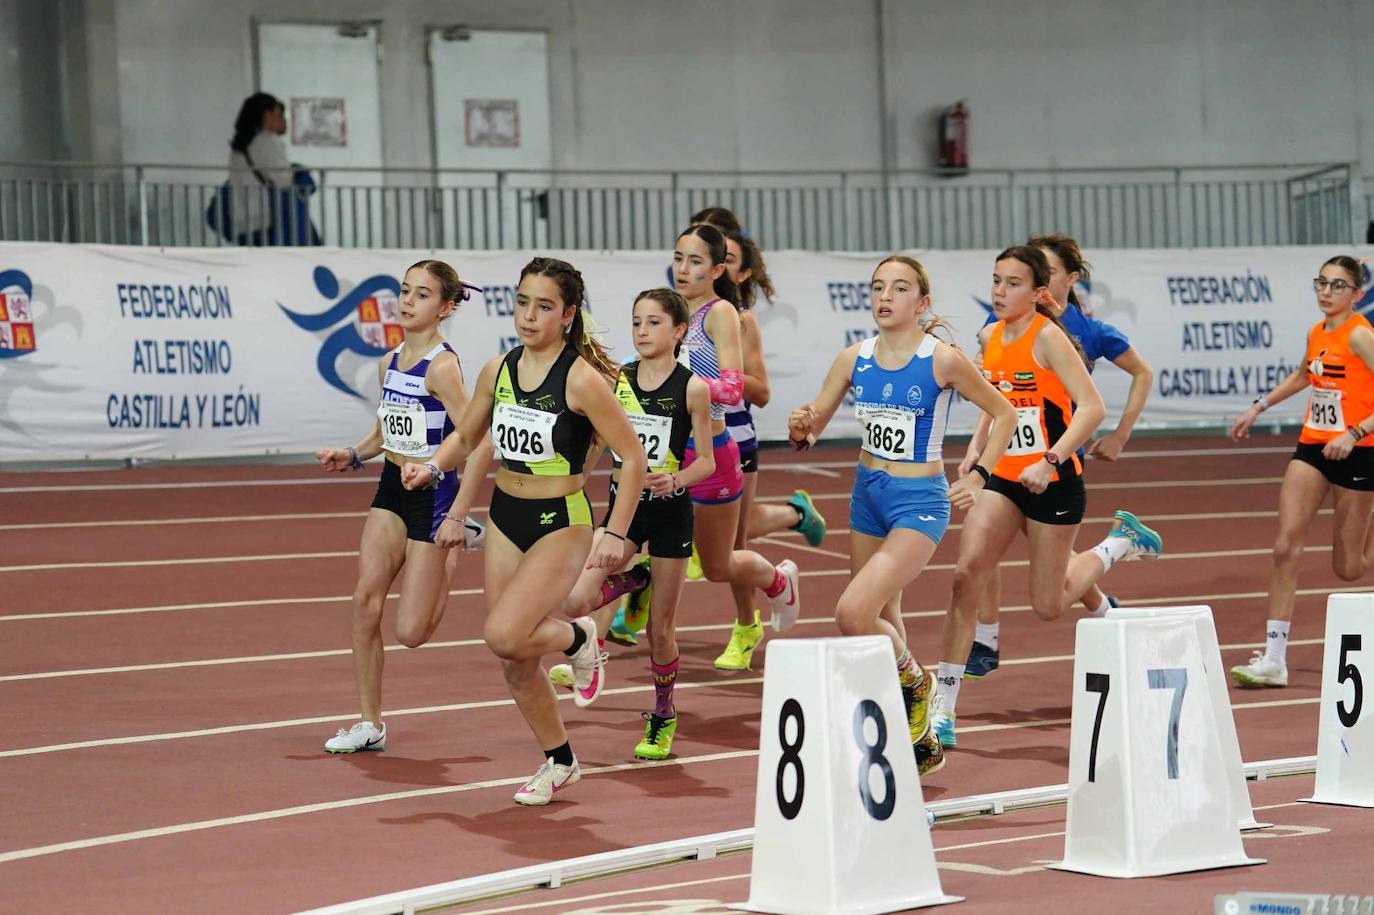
x: 30, y: 122
x: 794, y: 83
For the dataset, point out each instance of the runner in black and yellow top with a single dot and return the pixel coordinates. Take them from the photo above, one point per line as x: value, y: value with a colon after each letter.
x: 543, y: 401
x: 1335, y: 452
x: 1032, y: 360
x: 666, y: 404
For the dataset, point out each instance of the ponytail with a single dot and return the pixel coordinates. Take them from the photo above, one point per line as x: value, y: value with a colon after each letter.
x: 574, y: 293
x: 1034, y: 258
x: 751, y: 259
x: 1065, y: 247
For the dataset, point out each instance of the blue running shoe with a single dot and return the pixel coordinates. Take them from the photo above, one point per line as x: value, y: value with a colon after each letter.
x: 982, y: 661
x: 1144, y: 542
x: 942, y: 722
x: 812, y: 524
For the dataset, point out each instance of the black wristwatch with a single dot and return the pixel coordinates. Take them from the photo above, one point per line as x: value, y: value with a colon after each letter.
x: 1053, y: 459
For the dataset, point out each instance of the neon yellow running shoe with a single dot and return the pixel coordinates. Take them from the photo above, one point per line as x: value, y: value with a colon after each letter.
x: 694, y: 572
x: 658, y: 737
x: 561, y: 675
x: 918, y: 705
x: 637, y: 604
x: 743, y: 640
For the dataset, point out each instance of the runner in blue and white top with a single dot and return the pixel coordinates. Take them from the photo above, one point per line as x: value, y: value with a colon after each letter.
x: 422, y: 394
x: 1099, y: 340
x: 901, y: 382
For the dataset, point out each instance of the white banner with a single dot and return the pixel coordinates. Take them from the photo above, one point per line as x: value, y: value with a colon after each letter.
x: 110, y: 352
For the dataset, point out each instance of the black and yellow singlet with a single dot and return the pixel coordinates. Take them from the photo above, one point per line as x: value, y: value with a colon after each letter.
x: 534, y: 431
x: 660, y: 417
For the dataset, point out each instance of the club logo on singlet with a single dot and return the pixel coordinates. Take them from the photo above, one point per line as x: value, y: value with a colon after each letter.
x: 667, y: 404
x: 887, y: 391
x: 546, y: 402
x: 913, y: 395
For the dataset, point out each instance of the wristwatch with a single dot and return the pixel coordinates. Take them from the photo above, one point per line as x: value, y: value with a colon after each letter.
x: 1053, y: 459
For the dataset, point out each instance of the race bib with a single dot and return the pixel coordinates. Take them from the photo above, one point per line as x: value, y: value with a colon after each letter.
x: 653, y: 432
x: 1324, y: 412
x: 523, y: 433
x: 889, y: 432
x: 404, y: 430
x: 1027, y: 437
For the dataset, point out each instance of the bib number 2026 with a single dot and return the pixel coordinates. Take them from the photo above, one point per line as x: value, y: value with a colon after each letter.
x: 793, y: 719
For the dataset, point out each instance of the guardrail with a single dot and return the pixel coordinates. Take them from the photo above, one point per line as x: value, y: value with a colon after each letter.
x: 828, y: 211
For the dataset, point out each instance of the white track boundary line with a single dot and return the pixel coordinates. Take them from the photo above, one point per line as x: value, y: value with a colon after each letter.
x: 327, y: 806
x: 348, y: 554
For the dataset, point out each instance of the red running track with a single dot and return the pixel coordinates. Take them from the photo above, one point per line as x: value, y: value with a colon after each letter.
x: 176, y: 650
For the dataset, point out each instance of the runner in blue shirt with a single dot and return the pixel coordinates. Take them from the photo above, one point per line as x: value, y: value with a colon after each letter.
x: 1099, y: 340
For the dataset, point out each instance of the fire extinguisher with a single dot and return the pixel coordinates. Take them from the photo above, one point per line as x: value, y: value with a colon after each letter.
x: 954, y: 136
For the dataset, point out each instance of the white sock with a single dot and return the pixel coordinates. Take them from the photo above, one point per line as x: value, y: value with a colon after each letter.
x: 1276, y: 640
x: 987, y: 634
x: 950, y: 677
x: 1111, y: 551
x: 1106, y: 605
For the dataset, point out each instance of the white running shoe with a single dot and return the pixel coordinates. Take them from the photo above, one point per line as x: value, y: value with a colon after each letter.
x: 588, y: 665
x: 561, y: 675
x: 550, y: 779
x: 785, y: 606
x: 362, y: 736
x: 475, y: 533
x: 1261, y: 671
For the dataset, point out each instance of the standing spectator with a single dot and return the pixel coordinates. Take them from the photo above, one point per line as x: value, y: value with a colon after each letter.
x: 267, y: 190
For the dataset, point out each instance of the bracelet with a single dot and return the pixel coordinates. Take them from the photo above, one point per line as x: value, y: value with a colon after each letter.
x: 983, y: 472
x: 673, y: 477
x: 1356, y: 432
x: 434, y: 469
x: 621, y: 537
x: 357, y: 461
x: 1262, y: 402
x: 456, y: 518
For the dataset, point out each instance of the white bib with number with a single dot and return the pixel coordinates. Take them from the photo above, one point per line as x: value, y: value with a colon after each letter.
x: 653, y: 432
x: 404, y: 430
x: 523, y: 433
x: 1324, y: 412
x: 1026, y: 438
x: 889, y: 432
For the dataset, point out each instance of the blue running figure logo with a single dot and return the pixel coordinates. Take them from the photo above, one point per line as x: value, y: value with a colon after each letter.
x: 371, y: 311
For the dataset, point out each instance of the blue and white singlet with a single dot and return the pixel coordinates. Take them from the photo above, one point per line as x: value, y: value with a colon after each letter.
x: 903, y: 412
x: 413, y: 420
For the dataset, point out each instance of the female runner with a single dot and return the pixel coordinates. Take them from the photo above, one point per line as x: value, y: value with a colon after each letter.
x: 1099, y: 340
x: 422, y: 390
x: 900, y: 506
x: 1335, y: 454
x: 1041, y: 371
x: 543, y: 400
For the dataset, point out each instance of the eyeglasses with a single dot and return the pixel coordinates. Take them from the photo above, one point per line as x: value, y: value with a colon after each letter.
x: 1337, y: 286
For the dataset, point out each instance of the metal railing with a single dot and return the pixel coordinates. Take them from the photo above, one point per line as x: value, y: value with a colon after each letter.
x: 832, y: 211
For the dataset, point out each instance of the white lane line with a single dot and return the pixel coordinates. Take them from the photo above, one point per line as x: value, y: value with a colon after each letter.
x: 347, y: 554
x: 561, y: 904
x: 369, y: 479
x: 335, y: 719
x: 326, y: 806
x: 804, y: 547
x: 162, y: 522
x: 181, y: 828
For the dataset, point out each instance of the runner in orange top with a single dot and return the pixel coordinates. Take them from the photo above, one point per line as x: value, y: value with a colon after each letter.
x: 1028, y: 356
x: 1335, y: 452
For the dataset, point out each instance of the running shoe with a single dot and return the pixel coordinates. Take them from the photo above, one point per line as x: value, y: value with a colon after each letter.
x: 1144, y: 542
x: 658, y: 737
x: 474, y: 533
x: 620, y: 633
x: 785, y: 606
x: 982, y: 661
x: 917, y: 700
x: 942, y: 722
x: 1260, y: 672
x: 547, y: 781
x: 362, y: 736
x: 812, y: 523
x: 694, y: 572
x: 930, y: 756
x: 561, y: 675
x: 588, y: 665
x: 740, y: 651
x: 637, y: 603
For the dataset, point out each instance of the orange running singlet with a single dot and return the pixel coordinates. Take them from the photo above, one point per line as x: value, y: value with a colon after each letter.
x: 1043, y: 406
x: 1342, y: 385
